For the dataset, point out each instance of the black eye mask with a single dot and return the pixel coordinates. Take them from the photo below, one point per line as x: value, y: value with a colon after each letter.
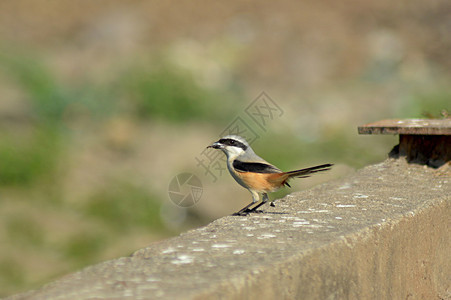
x: 234, y: 143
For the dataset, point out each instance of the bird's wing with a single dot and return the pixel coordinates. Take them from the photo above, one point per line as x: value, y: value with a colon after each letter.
x: 255, y: 167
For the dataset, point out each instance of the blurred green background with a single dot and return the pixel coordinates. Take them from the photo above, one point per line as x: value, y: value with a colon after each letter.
x: 103, y: 103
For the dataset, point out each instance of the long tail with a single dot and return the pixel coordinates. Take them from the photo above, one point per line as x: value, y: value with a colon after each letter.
x: 302, y: 173
x: 280, y: 179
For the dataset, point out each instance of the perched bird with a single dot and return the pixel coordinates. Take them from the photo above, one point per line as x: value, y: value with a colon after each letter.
x: 254, y: 173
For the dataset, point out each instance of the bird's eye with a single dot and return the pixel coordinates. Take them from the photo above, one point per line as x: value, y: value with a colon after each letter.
x: 232, y: 143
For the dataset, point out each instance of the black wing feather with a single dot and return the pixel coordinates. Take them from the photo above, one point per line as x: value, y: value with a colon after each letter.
x: 254, y: 167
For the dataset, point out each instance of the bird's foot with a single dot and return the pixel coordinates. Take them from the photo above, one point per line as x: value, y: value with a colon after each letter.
x: 243, y: 212
x: 257, y: 211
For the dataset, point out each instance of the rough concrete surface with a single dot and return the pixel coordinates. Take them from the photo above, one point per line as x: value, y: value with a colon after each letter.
x: 382, y: 233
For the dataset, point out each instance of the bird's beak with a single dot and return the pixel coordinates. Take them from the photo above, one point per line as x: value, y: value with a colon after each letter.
x: 215, y: 145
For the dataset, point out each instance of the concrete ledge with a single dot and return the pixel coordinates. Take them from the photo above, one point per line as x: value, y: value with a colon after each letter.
x: 382, y: 233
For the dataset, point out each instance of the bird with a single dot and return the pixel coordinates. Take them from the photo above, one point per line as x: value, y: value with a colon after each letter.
x: 256, y: 174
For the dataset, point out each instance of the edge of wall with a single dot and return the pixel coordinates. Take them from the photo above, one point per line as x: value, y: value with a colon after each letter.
x: 380, y: 233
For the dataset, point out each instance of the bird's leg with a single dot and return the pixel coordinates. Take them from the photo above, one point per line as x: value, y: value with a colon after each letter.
x: 264, y: 200
x: 245, y: 210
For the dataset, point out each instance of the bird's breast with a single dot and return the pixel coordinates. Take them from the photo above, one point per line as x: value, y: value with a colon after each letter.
x: 262, y: 182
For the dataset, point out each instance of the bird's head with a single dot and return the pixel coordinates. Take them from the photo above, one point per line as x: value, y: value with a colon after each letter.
x: 231, y: 145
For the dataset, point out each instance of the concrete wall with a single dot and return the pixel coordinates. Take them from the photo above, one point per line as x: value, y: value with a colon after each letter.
x: 382, y: 233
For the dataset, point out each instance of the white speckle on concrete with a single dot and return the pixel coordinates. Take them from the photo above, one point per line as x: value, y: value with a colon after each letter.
x: 198, y: 249
x: 152, y: 279
x: 264, y: 217
x: 301, y: 223
x: 238, y: 251
x: 220, y: 246
x: 249, y: 234
x: 396, y: 198
x: 344, y: 186
x: 249, y: 228
x: 345, y: 205
x: 319, y: 221
x: 313, y: 226
x: 360, y: 196
x: 339, y: 218
x: 182, y: 259
x: 266, y: 236
x: 120, y: 263
x: 167, y: 251
x: 311, y: 211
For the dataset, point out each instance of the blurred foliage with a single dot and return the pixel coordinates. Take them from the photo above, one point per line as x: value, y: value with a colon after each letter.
x: 170, y: 94
x: 48, y: 98
x: 428, y: 104
x: 84, y: 247
x: 33, y: 154
x: 123, y: 206
x: 12, y: 274
x: 160, y: 91
x: 25, y: 160
x: 337, y: 147
x: 25, y: 230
